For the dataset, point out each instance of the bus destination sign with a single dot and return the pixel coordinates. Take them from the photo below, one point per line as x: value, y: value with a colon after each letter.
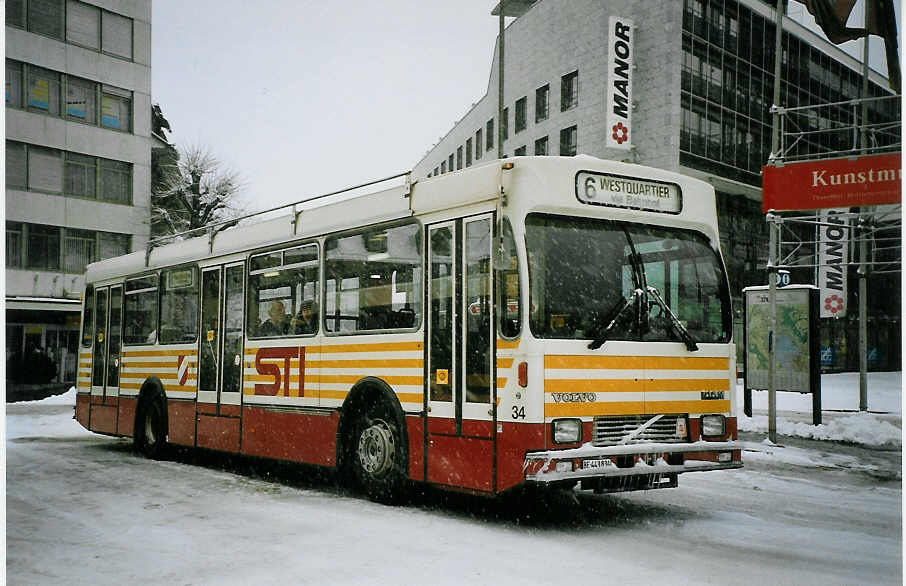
x: 628, y: 192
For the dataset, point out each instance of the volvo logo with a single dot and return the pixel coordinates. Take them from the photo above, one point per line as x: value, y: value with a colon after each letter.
x: 575, y: 397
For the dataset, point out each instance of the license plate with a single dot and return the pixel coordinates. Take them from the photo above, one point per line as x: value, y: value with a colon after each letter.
x: 596, y: 463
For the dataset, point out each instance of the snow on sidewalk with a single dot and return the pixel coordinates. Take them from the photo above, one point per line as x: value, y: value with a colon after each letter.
x: 880, y: 426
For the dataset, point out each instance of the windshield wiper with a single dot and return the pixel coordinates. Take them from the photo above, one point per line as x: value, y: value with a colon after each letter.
x: 611, y: 319
x: 687, y: 338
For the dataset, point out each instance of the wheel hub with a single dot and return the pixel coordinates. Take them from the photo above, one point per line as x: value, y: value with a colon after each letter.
x: 376, y: 449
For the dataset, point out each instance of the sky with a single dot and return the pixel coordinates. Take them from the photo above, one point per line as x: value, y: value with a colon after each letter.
x: 305, y: 97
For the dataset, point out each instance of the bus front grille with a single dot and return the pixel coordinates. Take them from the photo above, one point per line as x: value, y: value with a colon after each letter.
x: 614, y: 430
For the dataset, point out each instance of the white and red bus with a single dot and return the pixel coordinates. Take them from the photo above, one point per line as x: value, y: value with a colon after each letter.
x: 534, y: 320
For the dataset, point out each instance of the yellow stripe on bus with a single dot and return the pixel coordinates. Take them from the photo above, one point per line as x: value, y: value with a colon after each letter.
x: 188, y: 352
x: 504, y: 362
x: 507, y: 344
x: 636, y: 362
x: 633, y: 408
x: 388, y: 363
x: 136, y: 364
x: 614, y: 385
x: 375, y: 347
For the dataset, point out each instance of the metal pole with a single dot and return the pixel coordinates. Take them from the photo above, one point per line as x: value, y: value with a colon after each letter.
x: 772, y: 335
x: 863, y: 237
x: 500, y: 84
x: 773, y: 226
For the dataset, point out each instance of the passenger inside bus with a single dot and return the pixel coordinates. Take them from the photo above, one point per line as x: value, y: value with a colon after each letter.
x: 306, y: 321
x: 276, y: 324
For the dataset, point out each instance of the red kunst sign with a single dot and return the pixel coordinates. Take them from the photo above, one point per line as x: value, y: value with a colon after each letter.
x: 832, y: 183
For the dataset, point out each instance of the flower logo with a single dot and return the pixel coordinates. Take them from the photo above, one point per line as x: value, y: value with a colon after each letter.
x: 620, y: 133
x: 833, y: 303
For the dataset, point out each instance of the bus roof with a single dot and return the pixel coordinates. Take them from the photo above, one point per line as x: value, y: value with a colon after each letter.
x: 534, y: 180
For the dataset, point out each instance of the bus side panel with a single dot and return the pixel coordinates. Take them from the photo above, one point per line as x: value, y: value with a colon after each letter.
x: 415, y: 427
x: 82, y: 408
x: 218, y: 433
x: 296, y: 437
x: 102, y: 417
x: 126, y: 419
x: 461, y: 461
x: 181, y: 420
x: 512, y: 444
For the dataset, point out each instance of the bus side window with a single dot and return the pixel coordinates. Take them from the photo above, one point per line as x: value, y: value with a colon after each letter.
x: 140, y: 311
x: 509, y: 305
x: 283, y: 293
x: 179, y: 306
x: 88, y: 317
x: 373, y: 280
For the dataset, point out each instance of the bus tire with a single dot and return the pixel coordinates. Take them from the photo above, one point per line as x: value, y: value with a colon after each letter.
x: 150, y: 437
x: 378, y: 455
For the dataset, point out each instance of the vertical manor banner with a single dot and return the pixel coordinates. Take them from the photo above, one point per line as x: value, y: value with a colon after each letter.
x: 619, y: 84
x: 832, y: 248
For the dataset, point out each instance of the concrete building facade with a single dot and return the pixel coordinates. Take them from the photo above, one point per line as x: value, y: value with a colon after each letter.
x: 78, y: 165
x: 701, y: 95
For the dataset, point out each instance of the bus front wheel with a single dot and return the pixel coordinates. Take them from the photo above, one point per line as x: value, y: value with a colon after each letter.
x: 378, y: 459
x: 150, y: 436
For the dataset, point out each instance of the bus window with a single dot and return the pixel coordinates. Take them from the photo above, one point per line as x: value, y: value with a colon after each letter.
x: 140, y: 314
x: 373, y: 280
x: 179, y: 306
x: 283, y: 293
x: 508, y: 285
x: 88, y: 318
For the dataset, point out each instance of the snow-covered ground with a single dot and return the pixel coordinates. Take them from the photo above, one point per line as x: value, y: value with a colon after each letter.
x: 82, y: 509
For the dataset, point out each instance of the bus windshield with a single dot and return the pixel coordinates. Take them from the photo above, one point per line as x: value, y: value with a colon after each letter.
x: 599, y: 279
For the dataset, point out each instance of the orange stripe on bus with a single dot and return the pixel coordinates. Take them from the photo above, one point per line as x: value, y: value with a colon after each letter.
x: 633, y: 408
x: 692, y: 384
x: 504, y: 362
x: 388, y: 363
x: 636, y: 362
x: 507, y: 344
x: 188, y: 352
x: 136, y: 364
x: 375, y: 347
x: 606, y: 385
x: 501, y: 382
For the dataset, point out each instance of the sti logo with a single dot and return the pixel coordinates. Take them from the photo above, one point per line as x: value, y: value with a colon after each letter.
x: 279, y: 368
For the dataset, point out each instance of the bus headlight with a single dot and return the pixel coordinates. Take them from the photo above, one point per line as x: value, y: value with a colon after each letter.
x: 713, y: 426
x: 567, y: 431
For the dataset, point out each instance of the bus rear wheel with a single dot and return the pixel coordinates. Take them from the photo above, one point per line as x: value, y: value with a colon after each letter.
x: 149, y: 437
x: 378, y: 460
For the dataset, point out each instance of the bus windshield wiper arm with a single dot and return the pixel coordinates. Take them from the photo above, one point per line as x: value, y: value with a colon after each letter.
x: 612, y: 317
x: 687, y: 338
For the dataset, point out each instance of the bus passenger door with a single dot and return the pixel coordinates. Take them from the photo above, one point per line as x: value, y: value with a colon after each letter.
x: 105, y: 365
x: 460, y: 414
x: 220, y: 358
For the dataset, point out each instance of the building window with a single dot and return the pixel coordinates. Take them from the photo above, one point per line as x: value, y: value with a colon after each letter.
x: 568, y: 138
x: 569, y: 91
x: 443, y: 167
x: 83, y: 24
x: 489, y: 135
x: 435, y: 172
x: 80, y: 175
x: 542, y: 98
x: 458, y: 158
x: 478, y: 144
x: 45, y: 169
x: 111, y: 244
x: 14, y: 249
x: 520, y: 114
x: 504, y: 123
x: 15, y: 13
x: 116, y: 35
x: 43, y: 90
x: 116, y: 108
x: 45, y: 17
x: 541, y: 147
x: 450, y: 162
x: 43, y: 247
x: 16, y: 165
x: 78, y: 250
x: 468, y: 152
x: 519, y: 152
x: 13, y: 84
x: 81, y: 100
x: 116, y: 181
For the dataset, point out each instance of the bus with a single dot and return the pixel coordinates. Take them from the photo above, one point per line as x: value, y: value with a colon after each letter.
x: 533, y: 321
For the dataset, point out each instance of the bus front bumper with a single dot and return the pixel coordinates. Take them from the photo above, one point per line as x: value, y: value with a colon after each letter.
x: 650, y: 460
